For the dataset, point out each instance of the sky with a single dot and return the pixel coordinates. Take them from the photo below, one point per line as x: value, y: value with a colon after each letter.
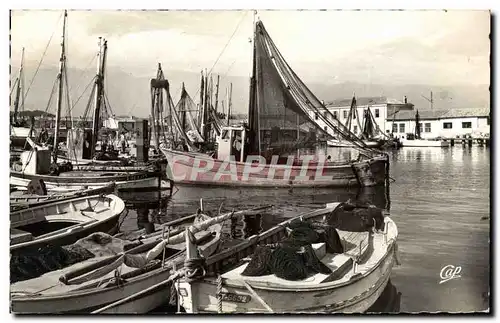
x: 393, y: 47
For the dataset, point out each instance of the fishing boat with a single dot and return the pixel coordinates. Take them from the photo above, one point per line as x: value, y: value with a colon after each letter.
x: 103, y: 280
x: 370, y: 133
x: 36, y: 166
x: 20, y: 200
x: 263, y: 153
x: 36, y: 163
x: 89, y: 149
x: 415, y: 139
x: 327, y: 260
x: 410, y: 141
x: 18, y: 129
x: 64, y: 222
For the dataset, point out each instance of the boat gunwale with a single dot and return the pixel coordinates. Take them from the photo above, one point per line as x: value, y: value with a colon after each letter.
x: 93, y: 222
x: 136, y: 175
x: 253, y: 240
x: 322, y: 165
x: 84, y: 290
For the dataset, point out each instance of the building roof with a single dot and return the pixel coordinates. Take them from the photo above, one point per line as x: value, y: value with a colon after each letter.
x: 363, y: 101
x: 441, y: 114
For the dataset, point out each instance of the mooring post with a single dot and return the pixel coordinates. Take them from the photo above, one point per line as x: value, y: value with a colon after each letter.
x: 141, y: 141
x: 191, y: 253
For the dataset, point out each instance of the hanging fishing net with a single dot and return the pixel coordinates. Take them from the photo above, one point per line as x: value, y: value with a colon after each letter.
x: 186, y: 108
x: 284, y: 113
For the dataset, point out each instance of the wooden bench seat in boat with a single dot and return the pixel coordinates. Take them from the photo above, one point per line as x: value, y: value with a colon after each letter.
x: 19, y: 236
x: 49, y: 284
x: 338, y: 263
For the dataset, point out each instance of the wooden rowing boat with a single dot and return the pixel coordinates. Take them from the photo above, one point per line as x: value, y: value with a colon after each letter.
x: 20, y: 200
x: 63, y: 222
x: 48, y: 294
x: 57, y: 291
x: 357, y: 276
x: 78, y: 180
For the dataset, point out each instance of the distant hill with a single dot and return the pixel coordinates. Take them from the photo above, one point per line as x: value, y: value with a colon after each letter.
x: 129, y: 94
x: 35, y: 113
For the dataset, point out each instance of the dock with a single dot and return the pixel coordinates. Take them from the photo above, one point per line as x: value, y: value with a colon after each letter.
x: 469, y: 141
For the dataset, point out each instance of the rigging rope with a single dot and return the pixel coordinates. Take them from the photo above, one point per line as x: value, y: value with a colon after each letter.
x: 85, y: 90
x: 302, y: 92
x: 40, y: 63
x: 51, y: 94
x: 84, y: 72
x: 222, y: 52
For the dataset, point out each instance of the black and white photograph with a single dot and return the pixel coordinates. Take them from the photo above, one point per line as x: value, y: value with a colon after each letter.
x: 250, y: 161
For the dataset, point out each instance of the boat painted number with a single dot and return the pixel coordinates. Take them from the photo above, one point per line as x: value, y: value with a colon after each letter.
x: 235, y: 298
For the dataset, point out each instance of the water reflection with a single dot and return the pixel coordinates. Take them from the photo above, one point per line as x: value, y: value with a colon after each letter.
x: 388, y: 302
x: 437, y: 200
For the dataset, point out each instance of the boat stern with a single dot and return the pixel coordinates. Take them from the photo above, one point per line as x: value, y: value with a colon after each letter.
x: 372, y: 172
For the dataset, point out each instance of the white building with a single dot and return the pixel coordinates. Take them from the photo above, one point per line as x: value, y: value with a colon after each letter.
x: 442, y: 123
x: 381, y: 108
x: 399, y: 118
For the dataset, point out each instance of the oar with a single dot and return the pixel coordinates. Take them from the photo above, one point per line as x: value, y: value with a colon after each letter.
x: 104, y: 262
x: 172, y: 240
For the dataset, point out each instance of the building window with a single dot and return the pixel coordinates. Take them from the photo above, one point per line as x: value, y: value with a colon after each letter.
x: 401, y: 128
x: 488, y: 121
x: 447, y: 125
x: 377, y: 113
x: 316, y: 116
x: 355, y: 129
x: 334, y: 114
x: 345, y: 114
x: 395, y: 127
x: 420, y: 127
x: 466, y: 125
x: 427, y: 127
x: 325, y: 114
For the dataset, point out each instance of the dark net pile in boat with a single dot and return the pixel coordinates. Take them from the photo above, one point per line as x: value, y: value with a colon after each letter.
x: 293, y: 258
x: 29, y: 264
x: 356, y: 216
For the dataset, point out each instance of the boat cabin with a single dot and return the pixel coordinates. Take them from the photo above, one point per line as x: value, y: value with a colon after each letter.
x: 233, y: 142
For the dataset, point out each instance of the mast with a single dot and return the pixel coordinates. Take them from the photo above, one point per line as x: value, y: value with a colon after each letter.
x: 253, y: 121
x: 204, y: 109
x: 200, y: 107
x: 19, y: 88
x: 183, y: 108
x: 21, y: 79
x: 99, y: 82
x: 431, y: 100
x: 62, y: 66
x: 229, y: 102
x: 217, y: 94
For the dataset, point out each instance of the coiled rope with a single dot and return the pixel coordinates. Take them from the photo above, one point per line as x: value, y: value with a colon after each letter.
x: 219, y: 294
x: 195, y: 268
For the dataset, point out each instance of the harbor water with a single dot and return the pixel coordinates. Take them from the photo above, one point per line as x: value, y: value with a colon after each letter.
x: 440, y: 200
